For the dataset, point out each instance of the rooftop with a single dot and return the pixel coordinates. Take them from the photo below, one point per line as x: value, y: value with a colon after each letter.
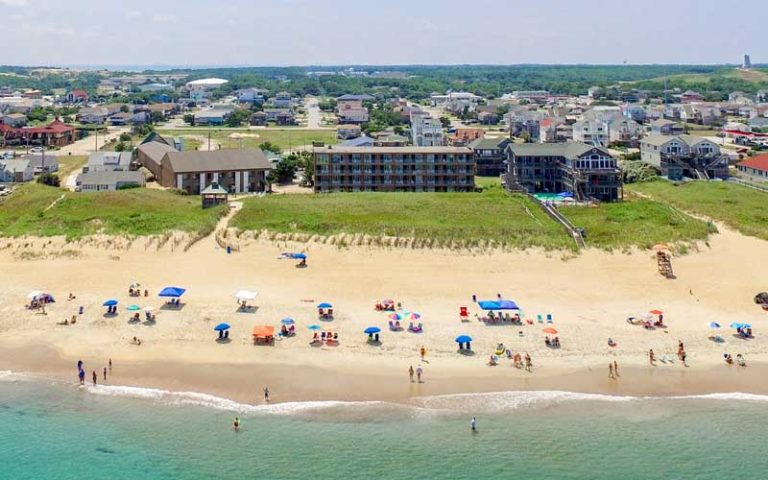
x: 567, y: 150
x: 759, y: 162
x: 217, y: 160
x: 396, y: 150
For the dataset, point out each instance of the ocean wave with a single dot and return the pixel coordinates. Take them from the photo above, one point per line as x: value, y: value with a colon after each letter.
x: 169, y: 397
x: 12, y: 377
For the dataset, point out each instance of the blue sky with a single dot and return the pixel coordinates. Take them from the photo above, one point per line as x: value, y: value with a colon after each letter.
x: 323, y: 32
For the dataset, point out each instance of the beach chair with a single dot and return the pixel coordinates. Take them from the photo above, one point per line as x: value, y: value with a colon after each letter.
x: 539, y: 318
x: 392, y: 326
x: 463, y: 314
x: 549, y: 318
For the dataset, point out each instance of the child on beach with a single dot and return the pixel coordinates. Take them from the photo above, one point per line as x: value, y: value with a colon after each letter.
x: 419, y: 371
x: 410, y: 372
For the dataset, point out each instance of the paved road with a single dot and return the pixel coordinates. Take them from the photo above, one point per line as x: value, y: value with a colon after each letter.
x: 313, y: 113
x: 87, y: 145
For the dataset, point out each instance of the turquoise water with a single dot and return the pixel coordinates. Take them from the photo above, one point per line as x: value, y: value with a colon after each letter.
x: 59, y: 431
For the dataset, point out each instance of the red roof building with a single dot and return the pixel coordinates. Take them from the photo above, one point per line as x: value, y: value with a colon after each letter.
x: 755, y: 167
x: 55, y: 134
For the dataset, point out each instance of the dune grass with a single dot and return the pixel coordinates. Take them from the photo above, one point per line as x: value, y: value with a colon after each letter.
x: 741, y: 208
x: 133, y: 212
x: 432, y: 219
x: 636, y: 223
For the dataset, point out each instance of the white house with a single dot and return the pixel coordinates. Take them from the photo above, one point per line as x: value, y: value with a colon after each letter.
x: 16, y: 170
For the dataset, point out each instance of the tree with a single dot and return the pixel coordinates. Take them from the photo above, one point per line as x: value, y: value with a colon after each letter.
x: 125, y: 137
x: 285, y: 169
x: 189, y: 118
x: 156, y: 117
x: 236, y: 118
x: 120, y: 147
x: 269, y: 147
x: 124, y: 109
x: 49, y: 179
x: 445, y: 121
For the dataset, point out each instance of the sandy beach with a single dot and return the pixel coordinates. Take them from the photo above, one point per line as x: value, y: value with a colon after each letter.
x: 589, y: 297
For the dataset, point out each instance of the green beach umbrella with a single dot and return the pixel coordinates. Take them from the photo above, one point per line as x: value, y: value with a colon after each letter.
x: 134, y: 308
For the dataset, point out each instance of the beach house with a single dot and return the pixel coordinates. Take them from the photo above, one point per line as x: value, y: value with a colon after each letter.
x: 586, y: 171
x: 108, y: 180
x: 15, y: 170
x: 490, y: 155
x: 394, y: 169
x: 682, y: 156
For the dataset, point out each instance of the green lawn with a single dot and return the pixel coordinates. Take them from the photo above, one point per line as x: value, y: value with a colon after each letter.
x: 432, y: 219
x: 125, y: 212
x: 739, y: 207
x: 284, y: 138
x: 68, y: 164
x: 635, y: 222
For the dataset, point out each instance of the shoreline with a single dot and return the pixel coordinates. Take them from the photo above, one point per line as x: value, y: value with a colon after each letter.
x: 243, y: 383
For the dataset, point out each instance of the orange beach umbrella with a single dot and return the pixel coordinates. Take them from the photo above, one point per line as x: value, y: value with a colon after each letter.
x: 263, y: 331
x: 550, y: 330
x: 656, y: 312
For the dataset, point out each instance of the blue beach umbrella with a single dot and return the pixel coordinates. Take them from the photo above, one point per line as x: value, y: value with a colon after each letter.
x: 746, y: 325
x: 110, y: 303
x: 714, y: 325
x: 324, y: 305
x: 134, y: 308
x: 287, y: 321
x: 372, y: 330
x: 221, y: 327
x: 315, y: 327
x: 737, y: 325
x: 463, y: 339
x: 174, y: 292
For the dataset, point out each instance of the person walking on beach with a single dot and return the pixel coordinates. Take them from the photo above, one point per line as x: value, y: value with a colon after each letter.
x: 474, y: 298
x: 528, y: 363
x: 615, y: 369
x: 423, y: 352
x: 110, y: 365
x: 610, y: 370
x: 95, y: 377
x: 410, y: 372
x: 652, y: 357
x: 266, y: 394
x: 683, y: 356
x: 419, y: 371
x: 105, y: 374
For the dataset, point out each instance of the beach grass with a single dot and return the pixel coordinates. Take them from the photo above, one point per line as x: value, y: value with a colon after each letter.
x: 636, y: 222
x: 285, y: 138
x: 738, y: 207
x: 39, y: 210
x: 451, y: 220
x: 68, y: 164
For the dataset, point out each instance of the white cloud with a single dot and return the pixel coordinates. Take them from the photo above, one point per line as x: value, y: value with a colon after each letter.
x: 13, y: 3
x: 163, y: 18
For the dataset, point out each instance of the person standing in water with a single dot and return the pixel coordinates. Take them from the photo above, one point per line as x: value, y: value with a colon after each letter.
x: 266, y: 394
x: 473, y: 424
x: 105, y: 374
x: 81, y: 376
x: 236, y: 424
x: 95, y: 377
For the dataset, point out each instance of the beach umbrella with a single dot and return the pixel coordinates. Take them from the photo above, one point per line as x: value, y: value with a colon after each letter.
x: 655, y: 312
x: 396, y: 316
x: 315, y: 327
x: 463, y: 339
x: 109, y: 303
x: 287, y: 321
x: 550, y: 330
x: 299, y: 256
x: 746, y: 325
x: 372, y: 330
x: 660, y: 246
x: 148, y: 309
x: 133, y: 308
x: 221, y: 327
x: 324, y: 305
x: 714, y: 325
x: 414, y: 316
x: 737, y: 325
x: 172, y: 292
x: 34, y: 294
x: 245, y: 295
x: 134, y: 285
x: 646, y: 316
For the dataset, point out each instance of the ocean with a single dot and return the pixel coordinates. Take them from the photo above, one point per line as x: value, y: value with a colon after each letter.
x: 50, y: 429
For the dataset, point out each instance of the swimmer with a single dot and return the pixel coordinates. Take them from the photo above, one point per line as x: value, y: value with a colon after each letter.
x: 473, y: 424
x: 236, y: 424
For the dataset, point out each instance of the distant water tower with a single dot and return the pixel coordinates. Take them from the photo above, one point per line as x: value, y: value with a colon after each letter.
x: 747, y: 62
